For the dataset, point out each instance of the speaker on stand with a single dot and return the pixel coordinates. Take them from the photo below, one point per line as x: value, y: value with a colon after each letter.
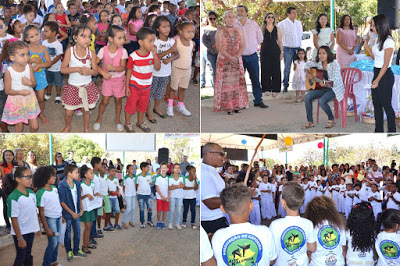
x: 390, y: 8
x: 163, y: 155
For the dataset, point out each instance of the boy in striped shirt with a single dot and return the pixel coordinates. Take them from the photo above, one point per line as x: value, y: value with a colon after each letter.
x: 139, y: 75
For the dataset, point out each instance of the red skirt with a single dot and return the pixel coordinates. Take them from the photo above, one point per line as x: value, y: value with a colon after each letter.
x: 71, y: 100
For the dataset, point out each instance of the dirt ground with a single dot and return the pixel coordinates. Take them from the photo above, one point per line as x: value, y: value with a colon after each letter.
x: 135, y: 246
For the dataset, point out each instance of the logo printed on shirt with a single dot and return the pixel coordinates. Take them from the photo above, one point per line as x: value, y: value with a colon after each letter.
x: 389, y: 249
x: 243, y: 249
x: 328, y: 237
x: 293, y: 239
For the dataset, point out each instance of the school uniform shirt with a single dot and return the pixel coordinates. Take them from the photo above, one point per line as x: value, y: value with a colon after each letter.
x: 320, y: 191
x: 74, y: 192
x: 355, y: 199
x: 176, y: 193
x: 387, y: 246
x: 357, y: 256
x: 335, y: 193
x: 142, y: 70
x: 364, y: 192
x: 374, y: 203
x: 103, y: 185
x: 143, y: 184
x: 242, y: 244
x: 55, y: 49
x: 342, y: 188
x: 329, y: 250
x: 313, y: 186
x: 348, y: 201
x: 96, y: 182
x: 327, y: 192
x: 206, y: 251
x: 390, y: 203
x: 113, y: 186
x: 86, y: 189
x: 50, y: 201
x: 130, y: 185
x: 191, y: 193
x: 162, y: 183
x: 264, y: 186
x: 23, y: 207
x: 291, y: 235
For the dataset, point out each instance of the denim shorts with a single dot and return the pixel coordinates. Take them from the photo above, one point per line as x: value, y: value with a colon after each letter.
x: 54, y: 78
x: 114, y: 205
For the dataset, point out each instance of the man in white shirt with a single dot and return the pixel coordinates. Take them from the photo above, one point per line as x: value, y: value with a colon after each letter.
x: 292, y: 32
x: 212, y: 184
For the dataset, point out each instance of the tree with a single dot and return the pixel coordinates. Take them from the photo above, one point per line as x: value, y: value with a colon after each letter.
x: 80, y: 146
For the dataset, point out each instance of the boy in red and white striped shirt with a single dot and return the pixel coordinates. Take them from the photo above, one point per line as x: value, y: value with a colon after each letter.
x: 139, y: 77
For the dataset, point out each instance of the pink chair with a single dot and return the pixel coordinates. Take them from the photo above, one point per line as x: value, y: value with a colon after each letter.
x: 349, y: 76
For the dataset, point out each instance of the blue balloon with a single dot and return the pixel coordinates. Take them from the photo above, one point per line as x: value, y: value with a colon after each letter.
x: 244, y: 142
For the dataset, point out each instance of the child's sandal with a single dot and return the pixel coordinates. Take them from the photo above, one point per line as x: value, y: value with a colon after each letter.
x: 308, y: 125
x: 330, y: 124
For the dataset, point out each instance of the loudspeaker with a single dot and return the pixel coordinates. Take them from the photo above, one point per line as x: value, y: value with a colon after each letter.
x: 163, y: 155
x: 390, y: 8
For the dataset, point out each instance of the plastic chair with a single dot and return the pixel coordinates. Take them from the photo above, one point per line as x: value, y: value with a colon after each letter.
x: 349, y: 79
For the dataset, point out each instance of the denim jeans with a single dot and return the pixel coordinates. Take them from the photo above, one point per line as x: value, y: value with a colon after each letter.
x: 77, y: 235
x: 212, y: 58
x: 289, y: 54
x: 51, y: 253
x: 23, y: 256
x: 203, y: 65
x: 325, y: 95
x: 130, y: 209
x: 186, y: 204
x: 175, y: 203
x: 93, y: 230
x: 251, y: 64
x: 145, y: 200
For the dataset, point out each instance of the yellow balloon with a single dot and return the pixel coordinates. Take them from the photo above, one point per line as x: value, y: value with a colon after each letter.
x: 288, y: 141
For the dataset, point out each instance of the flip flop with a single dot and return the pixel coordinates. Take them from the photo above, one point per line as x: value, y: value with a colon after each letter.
x: 151, y: 120
x: 160, y: 115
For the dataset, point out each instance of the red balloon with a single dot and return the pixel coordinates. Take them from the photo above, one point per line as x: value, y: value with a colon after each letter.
x: 320, y: 145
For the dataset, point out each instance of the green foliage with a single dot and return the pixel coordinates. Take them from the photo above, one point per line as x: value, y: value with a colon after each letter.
x: 80, y: 146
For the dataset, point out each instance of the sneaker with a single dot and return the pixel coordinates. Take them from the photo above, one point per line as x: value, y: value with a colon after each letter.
x: 99, y: 232
x: 142, y: 225
x: 195, y: 82
x: 96, y: 126
x: 163, y: 226
x: 70, y: 256
x: 47, y: 97
x: 170, y: 111
x: 184, y: 111
x: 92, y: 241
x: 98, y: 236
x: 124, y: 225
x: 120, y: 127
x: 110, y: 225
x: 151, y: 223
x: 178, y: 227
x: 58, y: 99
x: 158, y: 226
x: 80, y: 254
x: 117, y: 226
x: 143, y: 127
x: 184, y: 226
x: 170, y: 226
x: 79, y: 112
x: 129, y: 128
x: 108, y: 229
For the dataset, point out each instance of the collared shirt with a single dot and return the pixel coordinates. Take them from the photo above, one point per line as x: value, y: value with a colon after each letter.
x: 211, y: 186
x: 291, y: 33
x: 253, y: 36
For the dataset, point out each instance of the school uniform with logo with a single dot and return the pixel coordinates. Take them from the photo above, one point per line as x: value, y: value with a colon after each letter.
x: 376, y: 206
x: 357, y: 197
x: 255, y: 215
x: 364, y: 192
x: 356, y: 257
x: 387, y: 246
x: 335, y: 195
x: 264, y: 199
x: 320, y: 191
x: 176, y: 199
x: 348, y: 202
x: 162, y: 183
x: 342, y: 189
x: 390, y: 203
x: 281, y: 210
x: 103, y: 190
x: 88, y: 215
x: 144, y: 196
x: 113, y: 188
x: 130, y: 197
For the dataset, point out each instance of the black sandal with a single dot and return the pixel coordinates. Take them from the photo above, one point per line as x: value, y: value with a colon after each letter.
x: 151, y: 120
x: 230, y: 113
x: 91, y: 246
x: 237, y: 111
x: 85, y: 250
x: 160, y: 115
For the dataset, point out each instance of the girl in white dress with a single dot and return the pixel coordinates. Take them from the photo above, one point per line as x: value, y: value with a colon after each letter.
x: 299, y: 77
x: 375, y: 198
x: 281, y: 211
x: 255, y: 215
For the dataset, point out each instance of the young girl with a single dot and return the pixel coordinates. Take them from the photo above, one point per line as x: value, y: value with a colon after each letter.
x: 182, y: 67
x: 15, y: 29
x: 189, y: 196
x: 40, y: 60
x: 265, y: 189
x: 342, y: 189
x: 360, y: 235
x: 63, y: 22
x: 109, y: 8
x: 176, y: 185
x: 376, y: 199
x: 21, y: 106
x: 149, y: 21
x: 90, y: 20
x: 117, y: 20
x: 101, y: 41
x: 320, y: 190
x: 387, y: 243
x: 50, y: 211
x: 299, y: 78
x: 88, y: 216
x: 21, y: 203
x: 80, y: 63
x: 62, y: 36
x: 255, y: 215
x: 135, y: 22
x: 3, y: 32
x: 327, y: 191
x: 329, y: 230
x: 113, y: 57
x: 348, y: 200
x: 335, y: 194
x: 166, y: 50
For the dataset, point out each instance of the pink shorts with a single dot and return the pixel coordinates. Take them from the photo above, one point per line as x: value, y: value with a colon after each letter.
x: 114, y: 87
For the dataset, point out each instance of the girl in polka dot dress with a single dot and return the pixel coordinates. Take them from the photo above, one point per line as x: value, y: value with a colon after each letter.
x: 80, y: 63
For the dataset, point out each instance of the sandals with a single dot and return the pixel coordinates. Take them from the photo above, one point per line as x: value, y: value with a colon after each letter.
x: 194, y: 227
x: 91, y: 246
x: 151, y: 120
x: 143, y: 127
x: 308, y: 125
x: 129, y: 128
x: 160, y: 115
x: 330, y: 124
x: 86, y: 250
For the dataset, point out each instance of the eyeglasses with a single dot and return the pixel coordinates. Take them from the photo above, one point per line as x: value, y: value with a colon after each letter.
x: 26, y: 176
x: 270, y: 17
x: 222, y: 153
x: 212, y: 18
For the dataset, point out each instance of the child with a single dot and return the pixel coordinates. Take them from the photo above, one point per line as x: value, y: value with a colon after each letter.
x: 109, y: 7
x: 393, y: 198
x: 281, y: 210
x: 165, y: 11
x: 3, y: 32
x: 294, y: 230
x: 21, y: 106
x: 299, y: 78
x: 48, y: 202
x: 342, y: 189
x: 272, y: 208
x: 80, y: 64
x: 189, y: 196
x: 70, y: 198
x: 182, y: 67
x: 96, y: 233
x: 320, y: 190
x: 166, y: 50
x: 329, y: 229
x: 113, y: 57
x: 307, y: 193
x: 135, y: 22
x: 106, y: 200
x: 55, y: 49
x: 376, y: 199
x: 335, y: 194
x: 149, y: 21
x: 327, y: 191
x: 255, y: 215
x: 21, y: 206
x: 130, y: 196
x: 99, y: 7
x: 265, y: 189
x: 163, y: 196
x: 15, y: 29
x: 348, y: 200
x: 139, y: 78
x: 90, y: 20
x: 88, y: 216
x: 361, y: 235
x: 29, y: 15
x: 117, y: 20
x: 356, y: 198
x: 143, y: 190
x: 182, y: 9
x: 61, y: 34
x: 124, y: 16
x: 101, y: 41
x: 387, y: 243
x: 62, y: 21
x: 73, y: 17
x: 113, y: 192
x: 175, y: 185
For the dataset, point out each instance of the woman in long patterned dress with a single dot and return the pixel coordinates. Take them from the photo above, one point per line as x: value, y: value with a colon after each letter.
x: 230, y: 92
x: 346, y: 39
x: 323, y: 35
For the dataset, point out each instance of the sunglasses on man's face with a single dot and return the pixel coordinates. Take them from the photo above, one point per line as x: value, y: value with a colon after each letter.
x: 270, y: 17
x: 222, y: 153
x: 212, y: 18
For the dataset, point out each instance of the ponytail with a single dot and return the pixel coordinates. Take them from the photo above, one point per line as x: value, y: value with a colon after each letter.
x: 10, y: 183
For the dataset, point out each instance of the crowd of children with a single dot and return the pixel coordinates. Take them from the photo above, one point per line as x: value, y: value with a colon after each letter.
x: 87, y: 194
x: 137, y: 48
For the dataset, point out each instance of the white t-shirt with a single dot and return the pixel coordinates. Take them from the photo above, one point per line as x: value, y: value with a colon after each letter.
x: 85, y: 189
x: 191, y: 193
x: 176, y: 193
x: 357, y: 256
x: 355, y: 199
x: 103, y: 185
x: 4, y: 68
x: 390, y: 203
x: 364, y: 192
x: 114, y: 74
x: 143, y: 184
x: 320, y: 191
x: 55, y: 49
x: 113, y: 186
x: 291, y: 235
x: 348, y: 200
x: 329, y: 245
x: 342, y: 189
x: 335, y: 193
x: 206, y: 251
x: 74, y: 193
x: 96, y: 182
x: 380, y: 55
x: 38, y: 20
x: 264, y: 186
x: 387, y: 246
x: 50, y: 200
x: 3, y: 39
x: 24, y: 208
x: 130, y: 186
x: 375, y: 195
x: 244, y: 243
x: 163, y: 46
x: 162, y: 183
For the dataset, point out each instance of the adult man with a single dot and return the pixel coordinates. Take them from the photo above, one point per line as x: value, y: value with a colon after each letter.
x: 156, y: 165
x: 291, y: 31
x: 253, y: 38
x: 212, y: 184
x: 183, y: 165
x: 70, y: 159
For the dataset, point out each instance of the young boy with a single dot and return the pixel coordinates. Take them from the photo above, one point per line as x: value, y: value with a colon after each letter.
x: 7, y: 15
x: 348, y: 200
x: 356, y: 197
x: 264, y: 188
x: 96, y: 165
x: 141, y: 64
x: 104, y: 193
x: 73, y: 17
x: 99, y: 7
x: 130, y: 196
x: 293, y: 232
x: 113, y: 193
x: 143, y: 190
x: 70, y: 199
x: 162, y: 194
x: 165, y: 11
x: 375, y: 198
x: 125, y: 15
x: 242, y: 242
